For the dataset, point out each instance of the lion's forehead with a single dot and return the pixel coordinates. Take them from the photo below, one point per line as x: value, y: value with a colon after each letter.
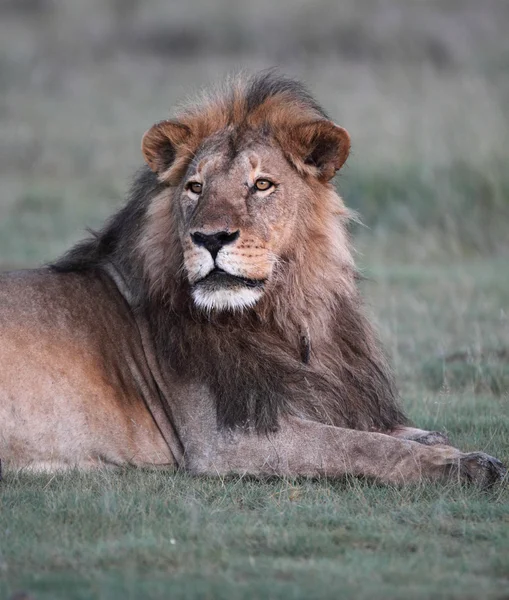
x: 222, y: 163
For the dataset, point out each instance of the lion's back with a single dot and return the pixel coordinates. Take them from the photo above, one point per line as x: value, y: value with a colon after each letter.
x: 66, y: 392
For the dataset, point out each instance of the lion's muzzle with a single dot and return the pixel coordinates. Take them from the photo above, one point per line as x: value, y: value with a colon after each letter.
x: 223, y: 273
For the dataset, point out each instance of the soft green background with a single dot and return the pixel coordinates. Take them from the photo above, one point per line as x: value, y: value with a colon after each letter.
x: 423, y: 88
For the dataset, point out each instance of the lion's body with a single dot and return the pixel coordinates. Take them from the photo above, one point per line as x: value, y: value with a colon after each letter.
x: 73, y: 376
x: 215, y: 323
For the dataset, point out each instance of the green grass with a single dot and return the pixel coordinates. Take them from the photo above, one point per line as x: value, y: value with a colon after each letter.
x: 423, y: 88
x: 138, y: 534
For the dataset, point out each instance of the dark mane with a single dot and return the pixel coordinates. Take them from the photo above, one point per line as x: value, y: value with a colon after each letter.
x: 269, y: 84
x: 112, y: 240
x: 253, y: 361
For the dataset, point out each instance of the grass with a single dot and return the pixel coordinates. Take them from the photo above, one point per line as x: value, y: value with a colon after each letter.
x: 139, y: 534
x: 423, y: 88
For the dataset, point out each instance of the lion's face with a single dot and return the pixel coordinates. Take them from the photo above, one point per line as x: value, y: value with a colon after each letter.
x: 242, y: 194
x: 238, y: 217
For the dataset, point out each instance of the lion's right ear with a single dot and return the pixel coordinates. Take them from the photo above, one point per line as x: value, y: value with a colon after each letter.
x: 161, y: 142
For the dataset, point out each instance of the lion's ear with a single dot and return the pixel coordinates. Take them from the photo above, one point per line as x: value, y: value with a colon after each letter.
x: 322, y: 145
x: 160, y: 144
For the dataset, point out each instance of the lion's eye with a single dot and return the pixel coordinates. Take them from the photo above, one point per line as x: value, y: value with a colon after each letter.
x: 195, y: 187
x: 262, y: 185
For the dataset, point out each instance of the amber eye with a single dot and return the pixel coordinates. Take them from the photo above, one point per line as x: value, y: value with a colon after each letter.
x: 195, y: 187
x: 262, y: 185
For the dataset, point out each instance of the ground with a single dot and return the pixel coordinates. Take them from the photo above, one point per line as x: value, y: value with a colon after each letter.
x: 423, y: 88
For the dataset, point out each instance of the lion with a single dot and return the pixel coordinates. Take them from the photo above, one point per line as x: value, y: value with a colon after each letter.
x: 215, y: 323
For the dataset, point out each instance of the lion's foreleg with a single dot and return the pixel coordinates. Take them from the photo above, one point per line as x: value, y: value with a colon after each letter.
x: 302, y: 447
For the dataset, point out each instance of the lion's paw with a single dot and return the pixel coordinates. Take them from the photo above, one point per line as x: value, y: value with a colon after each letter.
x: 482, y: 469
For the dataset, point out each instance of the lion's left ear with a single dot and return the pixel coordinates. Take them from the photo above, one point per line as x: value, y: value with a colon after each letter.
x: 322, y: 145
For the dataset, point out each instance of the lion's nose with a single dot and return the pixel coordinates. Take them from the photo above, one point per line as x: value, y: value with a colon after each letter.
x: 213, y: 242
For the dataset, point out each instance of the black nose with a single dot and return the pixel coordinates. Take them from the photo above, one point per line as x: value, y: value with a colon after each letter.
x: 214, y: 241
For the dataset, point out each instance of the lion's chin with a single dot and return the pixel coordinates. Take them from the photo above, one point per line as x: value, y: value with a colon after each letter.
x: 236, y: 299
x: 221, y: 291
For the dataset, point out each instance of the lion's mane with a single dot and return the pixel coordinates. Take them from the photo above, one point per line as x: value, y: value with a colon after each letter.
x: 307, y: 347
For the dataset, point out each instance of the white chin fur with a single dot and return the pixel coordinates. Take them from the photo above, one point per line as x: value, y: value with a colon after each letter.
x: 234, y: 300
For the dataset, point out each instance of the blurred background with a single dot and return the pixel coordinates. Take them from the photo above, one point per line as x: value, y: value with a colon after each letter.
x: 421, y: 85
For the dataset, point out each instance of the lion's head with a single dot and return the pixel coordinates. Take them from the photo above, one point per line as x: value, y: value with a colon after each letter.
x: 243, y: 174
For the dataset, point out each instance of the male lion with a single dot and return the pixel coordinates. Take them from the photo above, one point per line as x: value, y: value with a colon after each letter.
x: 215, y: 324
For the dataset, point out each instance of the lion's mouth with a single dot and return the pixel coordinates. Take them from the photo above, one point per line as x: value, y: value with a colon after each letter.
x: 219, y: 279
